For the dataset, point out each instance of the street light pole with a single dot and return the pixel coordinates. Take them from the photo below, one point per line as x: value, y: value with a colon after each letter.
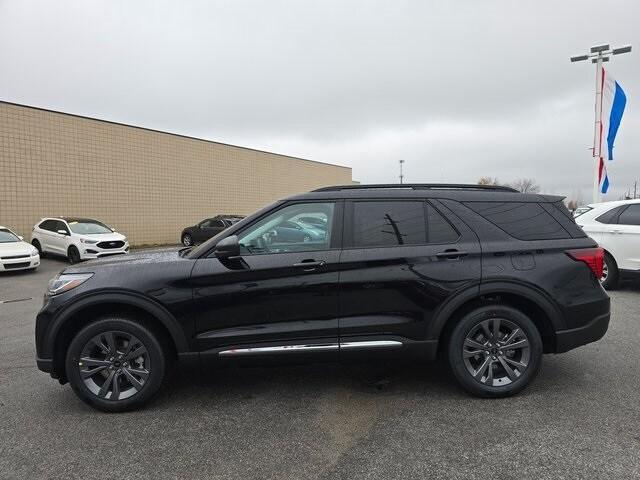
x: 598, y: 55
x: 401, y: 175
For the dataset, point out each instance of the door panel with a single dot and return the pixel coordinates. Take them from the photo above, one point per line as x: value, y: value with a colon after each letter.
x: 393, y: 291
x: 266, y: 298
x: 277, y: 297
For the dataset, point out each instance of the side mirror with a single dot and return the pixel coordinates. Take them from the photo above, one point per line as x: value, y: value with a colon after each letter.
x: 63, y: 232
x: 227, y: 247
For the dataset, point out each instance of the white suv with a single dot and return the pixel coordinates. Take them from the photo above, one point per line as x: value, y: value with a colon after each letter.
x: 77, y: 238
x: 616, y: 227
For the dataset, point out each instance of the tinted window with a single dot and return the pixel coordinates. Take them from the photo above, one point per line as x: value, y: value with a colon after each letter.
x: 438, y: 229
x: 378, y: 224
x: 525, y: 221
x: 280, y: 232
x: 49, y: 225
x: 60, y: 225
x: 217, y: 224
x: 631, y: 216
x: 611, y: 216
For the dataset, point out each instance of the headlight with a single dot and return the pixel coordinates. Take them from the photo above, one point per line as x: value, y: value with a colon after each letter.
x: 34, y: 253
x: 90, y: 242
x: 65, y: 282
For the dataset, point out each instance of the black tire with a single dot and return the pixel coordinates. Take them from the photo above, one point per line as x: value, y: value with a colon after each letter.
x: 499, y: 382
x: 36, y: 244
x: 612, y: 278
x: 73, y: 255
x: 155, y: 359
x: 187, y: 240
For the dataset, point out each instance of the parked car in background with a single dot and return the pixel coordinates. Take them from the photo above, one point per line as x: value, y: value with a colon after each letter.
x: 207, y: 228
x: 15, y: 253
x: 616, y: 228
x: 77, y: 238
x: 483, y: 275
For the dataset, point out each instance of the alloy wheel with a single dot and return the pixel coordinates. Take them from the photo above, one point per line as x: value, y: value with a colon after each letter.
x: 496, y: 352
x: 605, y: 272
x: 187, y: 241
x: 114, y: 365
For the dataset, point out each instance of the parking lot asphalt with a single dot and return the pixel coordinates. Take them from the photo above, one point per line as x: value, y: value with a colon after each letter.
x: 579, y: 419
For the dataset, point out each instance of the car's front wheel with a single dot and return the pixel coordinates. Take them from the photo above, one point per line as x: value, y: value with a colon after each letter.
x: 115, y: 364
x: 187, y: 240
x: 73, y: 255
x: 495, y: 351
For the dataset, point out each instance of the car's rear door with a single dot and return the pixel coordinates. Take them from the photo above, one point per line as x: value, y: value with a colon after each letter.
x: 277, y: 298
x: 625, y: 238
x: 401, y: 260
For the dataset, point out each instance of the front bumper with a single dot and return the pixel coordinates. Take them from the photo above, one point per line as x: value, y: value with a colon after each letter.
x: 594, y: 330
x: 22, y: 263
x: 92, y: 252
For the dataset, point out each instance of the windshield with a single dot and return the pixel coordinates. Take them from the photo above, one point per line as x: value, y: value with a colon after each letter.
x: 7, y: 236
x: 90, y: 227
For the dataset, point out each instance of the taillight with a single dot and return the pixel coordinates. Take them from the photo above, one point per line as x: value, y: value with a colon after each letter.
x: 593, y: 257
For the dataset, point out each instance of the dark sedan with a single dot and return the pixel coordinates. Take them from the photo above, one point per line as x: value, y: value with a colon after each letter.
x: 207, y: 228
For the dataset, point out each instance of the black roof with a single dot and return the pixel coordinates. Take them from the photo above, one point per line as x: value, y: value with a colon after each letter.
x: 462, y: 192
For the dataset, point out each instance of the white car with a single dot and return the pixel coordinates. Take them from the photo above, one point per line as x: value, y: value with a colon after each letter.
x: 616, y: 227
x: 16, y: 254
x: 77, y: 238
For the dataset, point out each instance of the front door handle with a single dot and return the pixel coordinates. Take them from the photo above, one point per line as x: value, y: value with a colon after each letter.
x: 310, y: 265
x: 451, y: 254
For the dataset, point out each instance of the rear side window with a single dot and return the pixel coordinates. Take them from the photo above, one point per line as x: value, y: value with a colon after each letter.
x: 522, y: 220
x: 49, y: 225
x: 438, y: 229
x: 610, y: 217
x: 382, y: 224
x: 631, y: 216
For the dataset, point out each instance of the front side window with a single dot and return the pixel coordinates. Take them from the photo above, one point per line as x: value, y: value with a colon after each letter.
x: 83, y: 227
x: 383, y: 224
x: 283, y: 230
x: 7, y: 236
x: 631, y: 216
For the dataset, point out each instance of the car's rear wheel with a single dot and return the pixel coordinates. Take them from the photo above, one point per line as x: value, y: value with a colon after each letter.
x: 610, y: 273
x: 73, y: 255
x: 36, y: 244
x: 115, y: 364
x: 495, y: 351
x: 187, y: 240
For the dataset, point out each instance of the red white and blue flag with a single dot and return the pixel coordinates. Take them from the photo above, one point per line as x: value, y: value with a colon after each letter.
x: 613, y: 101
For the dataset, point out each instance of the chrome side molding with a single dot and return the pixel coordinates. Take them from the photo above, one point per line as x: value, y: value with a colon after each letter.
x: 370, y: 344
x: 311, y: 347
x: 279, y: 349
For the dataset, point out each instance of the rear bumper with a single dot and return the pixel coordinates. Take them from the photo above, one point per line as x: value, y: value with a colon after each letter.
x: 594, y: 330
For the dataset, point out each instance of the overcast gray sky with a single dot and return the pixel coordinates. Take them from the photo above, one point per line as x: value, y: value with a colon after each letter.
x: 459, y: 89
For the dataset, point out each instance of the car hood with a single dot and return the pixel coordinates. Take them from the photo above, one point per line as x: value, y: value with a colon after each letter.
x: 10, y: 249
x: 104, y: 237
x: 160, y: 255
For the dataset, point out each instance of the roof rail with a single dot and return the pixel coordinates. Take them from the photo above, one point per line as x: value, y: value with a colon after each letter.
x: 419, y: 186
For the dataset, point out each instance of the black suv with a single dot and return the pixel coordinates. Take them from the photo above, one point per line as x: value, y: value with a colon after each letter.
x: 207, y: 228
x: 487, y: 277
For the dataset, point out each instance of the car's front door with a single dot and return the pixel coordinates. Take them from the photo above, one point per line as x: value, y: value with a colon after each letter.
x: 401, y: 260
x: 278, y: 298
x: 59, y: 241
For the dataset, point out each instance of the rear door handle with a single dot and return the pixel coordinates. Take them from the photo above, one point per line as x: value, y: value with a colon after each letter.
x: 310, y: 265
x: 451, y: 254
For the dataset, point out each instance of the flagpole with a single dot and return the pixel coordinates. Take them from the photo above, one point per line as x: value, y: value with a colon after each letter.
x: 597, y: 134
x: 598, y: 55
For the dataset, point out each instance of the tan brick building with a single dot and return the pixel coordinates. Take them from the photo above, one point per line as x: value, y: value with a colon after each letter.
x: 145, y: 183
